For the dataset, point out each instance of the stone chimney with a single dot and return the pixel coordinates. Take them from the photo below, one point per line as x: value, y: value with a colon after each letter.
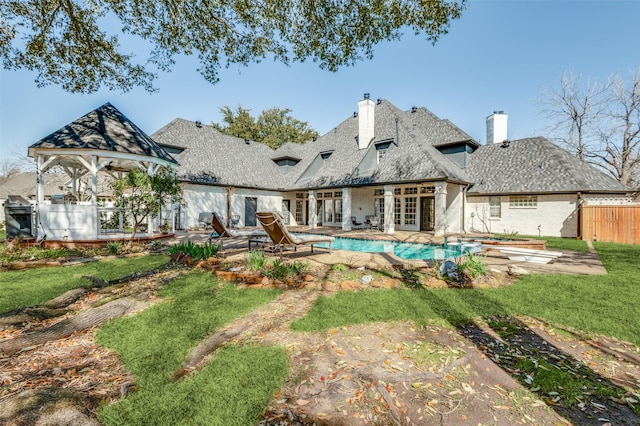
x: 366, y: 121
x: 497, y: 127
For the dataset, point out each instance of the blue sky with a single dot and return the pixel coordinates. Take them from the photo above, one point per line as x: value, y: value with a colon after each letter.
x: 500, y: 55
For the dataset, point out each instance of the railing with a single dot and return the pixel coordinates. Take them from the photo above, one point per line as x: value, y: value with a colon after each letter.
x: 111, y: 220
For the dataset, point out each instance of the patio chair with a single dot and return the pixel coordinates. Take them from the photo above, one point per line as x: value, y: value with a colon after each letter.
x: 273, y: 224
x: 220, y: 231
x: 355, y: 224
x: 374, y: 222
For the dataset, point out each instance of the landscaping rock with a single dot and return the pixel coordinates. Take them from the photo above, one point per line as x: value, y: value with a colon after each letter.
x: 517, y: 271
x: 308, y: 278
x: 253, y: 279
x: 449, y: 269
x: 226, y: 275
x: 366, y: 279
x: 329, y: 286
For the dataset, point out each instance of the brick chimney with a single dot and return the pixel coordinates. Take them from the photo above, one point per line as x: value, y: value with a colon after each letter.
x: 497, y: 127
x: 366, y: 121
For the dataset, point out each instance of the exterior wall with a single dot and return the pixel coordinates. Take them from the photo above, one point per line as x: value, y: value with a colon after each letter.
x: 555, y: 215
x: 267, y: 201
x: 454, y: 208
x: 206, y: 198
x: 361, y: 203
x: 201, y: 198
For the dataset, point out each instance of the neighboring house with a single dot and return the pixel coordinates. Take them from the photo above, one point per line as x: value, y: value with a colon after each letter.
x: 24, y: 184
x: 414, y: 170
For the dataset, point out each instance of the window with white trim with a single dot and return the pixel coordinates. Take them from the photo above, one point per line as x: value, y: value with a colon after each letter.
x: 337, y: 210
x: 299, y: 207
x: 410, y: 210
x: 523, y: 201
x: 495, y: 207
x: 397, y: 211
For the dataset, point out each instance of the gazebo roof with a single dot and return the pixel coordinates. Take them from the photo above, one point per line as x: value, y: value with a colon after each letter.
x: 106, y: 133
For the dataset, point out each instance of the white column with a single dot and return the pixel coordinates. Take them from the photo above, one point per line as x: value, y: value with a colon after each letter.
x: 39, y: 181
x: 346, y: 209
x: 441, y: 208
x: 94, y: 180
x: 389, y: 223
x: 313, y: 208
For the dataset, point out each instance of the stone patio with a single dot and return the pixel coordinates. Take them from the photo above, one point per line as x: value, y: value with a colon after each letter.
x: 569, y: 263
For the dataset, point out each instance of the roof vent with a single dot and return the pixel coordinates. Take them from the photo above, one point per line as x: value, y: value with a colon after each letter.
x: 414, y: 109
x: 505, y: 143
x: 198, y: 123
x: 246, y: 141
x: 315, y: 138
x: 355, y: 114
x: 367, y: 95
x: 379, y: 101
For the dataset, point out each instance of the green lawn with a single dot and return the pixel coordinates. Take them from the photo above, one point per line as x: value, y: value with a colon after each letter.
x: 232, y: 389
x: 606, y: 304
x: 557, y: 243
x: 19, y: 289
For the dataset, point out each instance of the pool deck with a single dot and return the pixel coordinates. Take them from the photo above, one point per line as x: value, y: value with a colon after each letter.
x: 569, y: 263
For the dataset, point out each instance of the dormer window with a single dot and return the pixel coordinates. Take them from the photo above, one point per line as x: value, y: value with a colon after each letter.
x: 381, y: 149
x: 286, y: 163
x: 326, y: 155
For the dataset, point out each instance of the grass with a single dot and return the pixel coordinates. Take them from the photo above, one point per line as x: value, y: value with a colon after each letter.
x: 232, y: 389
x: 603, y: 304
x: 19, y: 289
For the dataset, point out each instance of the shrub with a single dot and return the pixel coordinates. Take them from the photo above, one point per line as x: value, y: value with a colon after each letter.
x: 255, y: 260
x: 195, y: 251
x: 113, y: 247
x: 280, y: 269
x: 472, y: 265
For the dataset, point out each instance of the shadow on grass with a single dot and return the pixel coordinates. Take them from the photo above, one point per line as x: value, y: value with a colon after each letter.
x: 567, y: 385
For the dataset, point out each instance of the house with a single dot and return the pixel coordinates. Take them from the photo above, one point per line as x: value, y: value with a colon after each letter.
x: 415, y: 171
x: 411, y: 169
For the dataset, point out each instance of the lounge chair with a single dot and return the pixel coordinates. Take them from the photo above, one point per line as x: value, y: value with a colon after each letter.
x: 221, y: 231
x: 273, y: 224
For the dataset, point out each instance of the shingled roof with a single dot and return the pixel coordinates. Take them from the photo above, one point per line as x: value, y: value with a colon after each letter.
x: 535, y: 165
x: 414, y: 139
x: 211, y: 157
x: 104, y: 129
x: 411, y: 157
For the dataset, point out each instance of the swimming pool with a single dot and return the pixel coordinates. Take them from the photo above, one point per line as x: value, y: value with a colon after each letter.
x: 408, y: 251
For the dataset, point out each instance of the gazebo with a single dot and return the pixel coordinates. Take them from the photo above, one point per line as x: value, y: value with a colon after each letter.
x: 104, y: 141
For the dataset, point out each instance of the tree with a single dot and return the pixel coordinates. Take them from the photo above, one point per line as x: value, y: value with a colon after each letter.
x: 274, y: 126
x: 572, y: 109
x: 62, y: 40
x: 600, y: 123
x: 142, y: 195
x: 619, y: 150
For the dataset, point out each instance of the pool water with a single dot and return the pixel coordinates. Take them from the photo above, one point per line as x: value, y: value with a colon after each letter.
x: 408, y: 251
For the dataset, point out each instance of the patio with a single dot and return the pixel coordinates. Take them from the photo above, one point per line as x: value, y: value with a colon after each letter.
x: 570, y: 262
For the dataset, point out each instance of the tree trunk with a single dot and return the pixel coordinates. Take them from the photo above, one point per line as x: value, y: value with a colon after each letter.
x: 87, y: 319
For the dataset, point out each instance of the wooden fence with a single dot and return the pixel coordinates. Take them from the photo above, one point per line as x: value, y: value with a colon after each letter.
x: 615, y: 224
